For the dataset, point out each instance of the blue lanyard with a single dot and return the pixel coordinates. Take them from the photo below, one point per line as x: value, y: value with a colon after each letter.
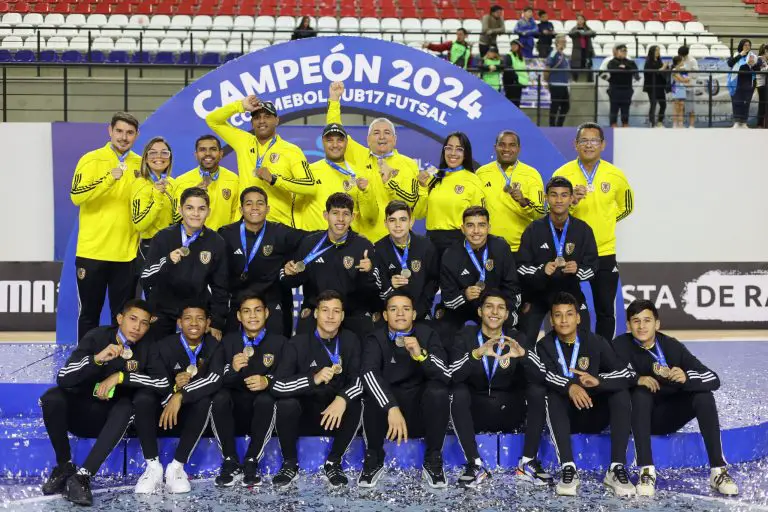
x: 214, y: 176
x: 480, y: 268
x: 122, y: 338
x: 186, y: 240
x: 343, y: 170
x: 559, y: 241
x: 507, y: 179
x: 260, y: 159
x: 393, y: 335
x: 192, y: 355
x: 335, y: 356
x: 448, y: 170
x: 658, y: 356
x: 315, y: 253
x: 163, y: 175
x: 255, y: 247
x: 589, y: 177
x: 121, y: 158
x: 248, y: 342
x: 489, y: 373
x: 382, y: 157
x: 404, y: 260
x: 561, y: 358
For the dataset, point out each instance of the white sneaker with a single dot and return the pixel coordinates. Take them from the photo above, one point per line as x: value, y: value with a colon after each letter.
x: 152, y: 480
x: 646, y: 484
x: 569, y: 481
x: 176, y: 479
x: 721, y: 481
x: 617, y: 480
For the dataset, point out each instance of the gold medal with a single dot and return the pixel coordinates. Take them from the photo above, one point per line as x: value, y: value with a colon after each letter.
x: 248, y: 351
x: 406, y: 273
x: 336, y: 369
x: 127, y: 353
x: 400, y: 341
x: 559, y: 261
x: 481, y: 285
x: 123, y: 166
x: 192, y: 370
x: 300, y: 266
x: 184, y: 251
x: 590, y: 188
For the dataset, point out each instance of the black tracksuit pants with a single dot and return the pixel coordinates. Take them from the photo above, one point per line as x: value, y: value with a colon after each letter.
x: 609, y: 408
x: 85, y: 416
x: 236, y: 412
x: 661, y: 414
x: 604, y: 286
x: 426, y: 409
x: 474, y: 411
x: 94, y: 279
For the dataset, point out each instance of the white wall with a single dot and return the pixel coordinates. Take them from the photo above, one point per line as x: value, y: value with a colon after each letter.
x: 26, y: 192
x: 700, y: 195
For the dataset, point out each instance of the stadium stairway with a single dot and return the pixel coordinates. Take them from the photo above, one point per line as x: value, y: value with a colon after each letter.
x: 728, y: 16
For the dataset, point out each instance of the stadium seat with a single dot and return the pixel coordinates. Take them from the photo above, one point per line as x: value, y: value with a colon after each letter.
x: 410, y: 25
x: 116, y: 20
x: 171, y: 45
x: 12, y: 43
x: 431, y: 26
x: 164, y: 58
x: 48, y: 56
x: 370, y: 25
x: 390, y: 25
x: 232, y: 56
x: 349, y: 25
x: 33, y: 18
x: 95, y: 21
x: 5, y: 56
x: 187, y: 58
x: 102, y: 44
x: 24, y: 56
x: 126, y: 44
x: 327, y: 23
x: 57, y: 43
x: 210, y: 59
x: 118, y: 57
x: 72, y: 56
x: 12, y: 18
x: 674, y: 27
x: 247, y: 22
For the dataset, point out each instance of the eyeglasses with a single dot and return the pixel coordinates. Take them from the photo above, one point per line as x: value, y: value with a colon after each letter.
x: 589, y: 142
x: 454, y: 149
x: 162, y: 154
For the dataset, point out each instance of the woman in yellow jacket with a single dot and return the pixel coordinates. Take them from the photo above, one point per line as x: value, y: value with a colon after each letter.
x: 451, y: 189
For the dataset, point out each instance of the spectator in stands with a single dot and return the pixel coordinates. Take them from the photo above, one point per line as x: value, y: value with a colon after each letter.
x: 762, y: 89
x: 655, y: 85
x: 546, y: 33
x: 493, y: 25
x: 582, y: 53
x: 680, y: 82
x: 515, y: 76
x: 491, y: 68
x: 304, y: 30
x: 691, y: 66
x: 526, y: 29
x: 459, y: 51
x: 744, y: 47
x: 622, y: 73
x: 741, y: 85
x: 556, y: 75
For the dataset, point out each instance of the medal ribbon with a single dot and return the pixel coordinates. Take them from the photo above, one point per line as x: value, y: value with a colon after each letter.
x: 658, y: 356
x: 559, y: 241
x: 480, y: 268
x: 255, y: 247
x: 123, y: 340
x: 382, y: 157
x: 404, y: 260
x: 333, y: 357
x: 499, y: 349
x: 589, y: 177
x: 315, y: 253
x: 121, y: 158
x: 248, y: 342
x: 394, y: 335
x: 260, y: 159
x: 155, y: 179
x: 213, y: 176
x: 561, y: 358
x: 186, y: 240
x: 343, y: 170
x: 507, y: 179
x: 192, y: 355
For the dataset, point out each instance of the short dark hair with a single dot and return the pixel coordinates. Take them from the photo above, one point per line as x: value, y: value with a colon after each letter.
x: 399, y: 293
x: 124, y: 117
x: 250, y: 295
x: 328, y: 295
x: 496, y: 8
x: 476, y: 211
x: 559, y: 182
x: 462, y: 29
x: 194, y: 192
x: 195, y: 304
x: 677, y: 59
x: 251, y: 190
x: 564, y: 299
x: 638, y: 306
x: 340, y: 200
x: 504, y: 133
x: 493, y: 293
x: 207, y: 136
x: 542, y: 12
x: 396, y: 206
x: 137, y: 304
x: 589, y: 126
x: 683, y: 51
x: 529, y: 8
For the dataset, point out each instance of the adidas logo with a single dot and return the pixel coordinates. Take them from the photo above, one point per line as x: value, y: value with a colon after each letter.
x: 278, y: 308
x: 488, y: 185
x: 615, y: 269
x: 583, y: 306
x: 313, y: 364
x: 320, y: 260
x: 177, y: 367
x: 545, y: 245
x: 239, y: 251
x: 393, y: 360
x: 392, y: 267
x: 465, y: 272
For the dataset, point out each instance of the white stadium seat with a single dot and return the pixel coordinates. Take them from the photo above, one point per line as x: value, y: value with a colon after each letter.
x: 655, y: 27
x: 196, y: 45
x: 473, y: 25
x: 148, y: 44
x: 104, y: 44
x: 204, y: 22
x: 160, y: 21
x: 285, y: 23
x: 181, y: 22
x: 57, y: 43
x: 694, y: 27
x: 281, y: 37
x: 171, y: 45
x: 596, y: 25
x: 30, y: 43
x: 666, y: 39
x: 349, y: 24
x: 569, y: 24
x: 246, y: 22
x: 557, y: 25
x: 78, y: 43
x: 451, y: 25
x: 370, y: 25
x: 720, y: 51
x: 33, y: 18
x: 75, y: 20
x: 12, y: 18
x: 412, y: 37
x: 509, y: 25
x: 54, y: 20
x: 699, y: 51
x: 216, y: 46
x: 12, y: 42
x: 95, y: 21
x: 613, y: 26
x: 258, y: 44
x: 674, y: 27
x: 431, y: 26
x: 116, y: 20
x: 223, y: 23
x: 24, y: 31
x: 138, y: 21
x: 390, y: 25
x: 327, y: 23
x: 126, y: 44
x: 410, y: 25
x: 635, y: 27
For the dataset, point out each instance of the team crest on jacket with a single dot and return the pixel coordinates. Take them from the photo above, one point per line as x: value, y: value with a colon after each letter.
x: 504, y: 363
x: 268, y: 360
x: 416, y: 265
x: 569, y: 247
x: 605, y: 187
x: 274, y: 157
x: 376, y: 317
x: 459, y: 189
x: 226, y: 193
x: 583, y: 363
x: 81, y: 273
x: 348, y: 262
x: 131, y: 365
x: 205, y: 257
x: 267, y: 250
x: 489, y: 265
x: 439, y: 314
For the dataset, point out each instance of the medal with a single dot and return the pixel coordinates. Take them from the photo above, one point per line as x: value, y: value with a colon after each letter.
x: 589, y: 177
x: 559, y: 241
x: 300, y: 266
x: 559, y: 261
x: 260, y: 158
x: 346, y: 171
x: 561, y: 358
x: 399, y: 337
x: 249, y: 343
x: 184, y: 251
x: 186, y: 240
x: 316, y: 252
x: 480, y: 268
x: 335, y: 357
x: 481, y: 285
x: 127, y: 353
x: 192, y: 370
x: 660, y: 366
x: 254, y: 249
x: 507, y: 179
x: 590, y: 188
x: 400, y: 341
x: 244, y: 276
x: 248, y: 351
x: 192, y: 355
x: 405, y: 273
x: 336, y: 369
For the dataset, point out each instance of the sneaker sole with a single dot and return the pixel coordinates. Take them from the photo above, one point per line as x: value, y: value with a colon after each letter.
x: 235, y: 480
x: 282, y: 486
x: 243, y: 483
x: 567, y: 492
x: 328, y: 481
x: 722, y: 492
x: 524, y: 477
x: 376, y: 477
x: 619, y: 493
x: 646, y: 494
x: 433, y: 485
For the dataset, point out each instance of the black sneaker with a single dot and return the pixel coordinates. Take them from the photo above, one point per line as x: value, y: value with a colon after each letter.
x: 229, y: 474
x: 373, y: 469
x: 57, y: 482
x: 79, y: 490
x: 252, y: 473
x: 473, y: 476
x: 335, y: 474
x: 432, y: 471
x: 287, y: 474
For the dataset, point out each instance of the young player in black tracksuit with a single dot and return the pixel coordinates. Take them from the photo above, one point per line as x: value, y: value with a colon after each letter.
x: 323, y: 395
x: 672, y: 387
x: 406, y: 378
x: 194, y: 364
x: 184, y: 261
x: 496, y: 372
x: 244, y: 405
x: 338, y: 259
x: 407, y: 261
x: 93, y: 396
x: 482, y: 261
x: 557, y: 253
x: 268, y: 246
x: 588, y: 390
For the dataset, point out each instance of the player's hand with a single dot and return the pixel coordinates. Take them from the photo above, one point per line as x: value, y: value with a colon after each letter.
x: 290, y: 268
x: 677, y: 375
x: 216, y: 333
x: 425, y: 45
x: 239, y: 362
x: 550, y: 268
x: 250, y: 103
x: 160, y: 186
x: 517, y: 194
x: 515, y: 349
x: 335, y: 91
x: 365, y: 264
x: 398, y: 281
x: 362, y: 183
x: 263, y: 173
x: 487, y: 349
x: 331, y: 416
x: 412, y: 346
x: 182, y: 379
x: 106, y: 385
x: 324, y: 376
x: 425, y: 176
x: 109, y: 353
x: 175, y: 256
x: 587, y: 380
x: 579, y: 193
x: 650, y: 383
x: 472, y: 292
x: 398, y: 430
x: 579, y: 397
x: 117, y: 173
x: 571, y: 267
x: 256, y: 383
x: 170, y: 416
x: 204, y: 184
x: 385, y: 171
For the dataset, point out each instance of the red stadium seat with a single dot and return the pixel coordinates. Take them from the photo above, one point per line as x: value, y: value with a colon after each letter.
x: 626, y: 15
x: 367, y: 11
x: 386, y: 12
x: 667, y: 16
x: 408, y: 12
x: 685, y: 16
x: 762, y: 9
x: 4, y: 7
x: 429, y: 12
